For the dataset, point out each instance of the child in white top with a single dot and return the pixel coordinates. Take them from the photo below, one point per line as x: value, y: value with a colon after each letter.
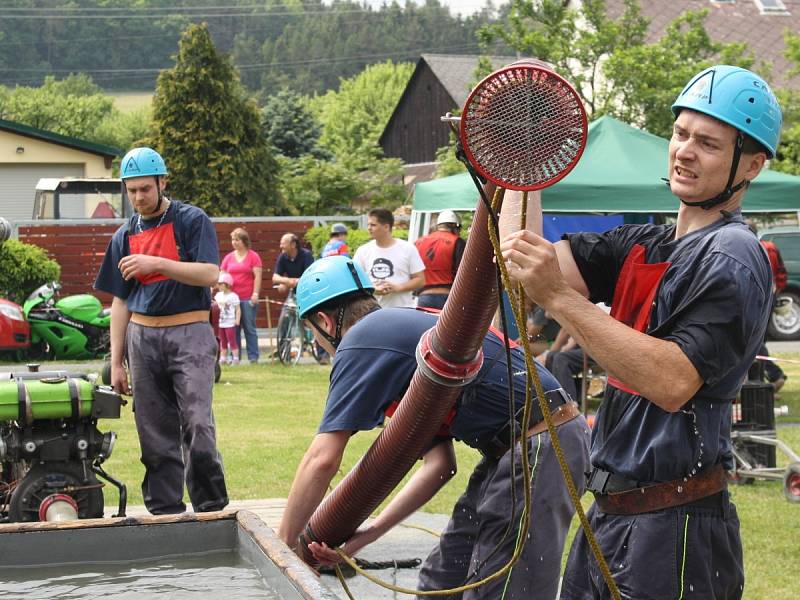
x: 230, y: 315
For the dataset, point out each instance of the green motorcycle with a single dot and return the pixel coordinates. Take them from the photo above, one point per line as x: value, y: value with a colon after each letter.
x: 72, y: 328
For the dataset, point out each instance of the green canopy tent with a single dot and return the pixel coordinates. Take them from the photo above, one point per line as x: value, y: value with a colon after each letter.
x: 620, y: 172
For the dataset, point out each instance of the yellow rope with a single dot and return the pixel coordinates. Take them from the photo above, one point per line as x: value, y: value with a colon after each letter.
x: 343, y: 582
x: 573, y: 492
x: 421, y: 528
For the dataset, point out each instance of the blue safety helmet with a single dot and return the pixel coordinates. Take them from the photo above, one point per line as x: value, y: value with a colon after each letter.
x: 737, y: 97
x: 329, y: 278
x: 744, y: 101
x: 142, y: 162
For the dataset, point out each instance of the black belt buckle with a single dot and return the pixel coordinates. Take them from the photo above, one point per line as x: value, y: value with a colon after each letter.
x: 494, y: 449
x: 597, y: 481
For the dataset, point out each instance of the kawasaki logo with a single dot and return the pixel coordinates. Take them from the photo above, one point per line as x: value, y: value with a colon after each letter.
x: 70, y: 322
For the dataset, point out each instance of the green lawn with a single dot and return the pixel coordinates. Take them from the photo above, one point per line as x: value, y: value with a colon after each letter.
x: 267, y: 414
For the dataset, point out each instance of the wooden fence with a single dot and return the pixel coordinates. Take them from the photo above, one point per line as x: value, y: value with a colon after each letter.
x: 80, y: 247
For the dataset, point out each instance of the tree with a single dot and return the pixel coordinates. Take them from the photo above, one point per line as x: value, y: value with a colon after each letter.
x: 575, y: 42
x: 210, y: 134
x: 318, y: 187
x: 354, y: 116
x: 125, y: 129
x: 73, y: 106
x: 648, y: 77
x: 290, y: 127
x: 312, y: 186
x: 23, y: 268
x: 612, y: 68
x: 788, y: 156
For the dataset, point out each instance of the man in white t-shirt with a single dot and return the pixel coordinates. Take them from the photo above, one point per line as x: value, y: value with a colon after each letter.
x: 393, y: 265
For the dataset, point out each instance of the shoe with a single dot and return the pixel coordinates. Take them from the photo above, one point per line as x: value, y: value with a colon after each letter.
x: 234, y: 362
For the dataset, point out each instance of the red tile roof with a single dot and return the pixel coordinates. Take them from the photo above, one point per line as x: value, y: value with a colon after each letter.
x: 737, y: 21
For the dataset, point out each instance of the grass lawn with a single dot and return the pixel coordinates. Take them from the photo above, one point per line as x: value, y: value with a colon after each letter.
x: 267, y: 414
x: 130, y: 101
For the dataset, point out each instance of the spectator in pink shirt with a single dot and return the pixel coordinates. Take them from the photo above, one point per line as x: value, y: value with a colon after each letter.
x: 244, y: 265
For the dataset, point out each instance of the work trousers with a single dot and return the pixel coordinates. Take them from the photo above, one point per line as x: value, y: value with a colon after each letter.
x: 172, y: 375
x: 484, y: 527
x: 683, y: 552
x: 564, y: 366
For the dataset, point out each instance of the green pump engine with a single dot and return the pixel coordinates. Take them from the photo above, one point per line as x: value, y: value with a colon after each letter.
x: 51, y: 452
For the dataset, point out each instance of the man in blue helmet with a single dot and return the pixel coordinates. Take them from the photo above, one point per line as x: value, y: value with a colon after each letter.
x: 159, y: 267
x: 373, y: 365
x: 690, y: 303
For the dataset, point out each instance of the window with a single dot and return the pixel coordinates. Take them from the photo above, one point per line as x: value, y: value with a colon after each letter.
x: 771, y: 7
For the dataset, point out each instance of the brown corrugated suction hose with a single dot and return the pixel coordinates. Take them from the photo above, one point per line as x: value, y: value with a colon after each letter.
x: 457, y: 337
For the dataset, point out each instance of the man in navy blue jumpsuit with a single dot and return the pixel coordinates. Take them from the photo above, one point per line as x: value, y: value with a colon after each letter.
x: 690, y: 303
x: 159, y: 267
x: 373, y: 364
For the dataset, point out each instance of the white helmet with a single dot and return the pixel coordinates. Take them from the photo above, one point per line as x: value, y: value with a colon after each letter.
x: 448, y: 217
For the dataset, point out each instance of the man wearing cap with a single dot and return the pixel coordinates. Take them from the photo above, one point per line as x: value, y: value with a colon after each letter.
x: 689, y: 305
x: 441, y: 252
x: 159, y: 266
x: 337, y: 243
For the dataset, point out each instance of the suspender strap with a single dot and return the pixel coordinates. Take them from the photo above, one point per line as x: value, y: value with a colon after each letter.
x: 74, y: 398
x: 24, y: 403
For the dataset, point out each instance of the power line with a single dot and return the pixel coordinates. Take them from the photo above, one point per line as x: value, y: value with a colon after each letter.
x: 310, y: 61
x: 107, y: 75
x: 82, y: 40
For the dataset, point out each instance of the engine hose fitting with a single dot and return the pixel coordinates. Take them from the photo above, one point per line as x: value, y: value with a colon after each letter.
x: 58, y: 507
x: 442, y: 371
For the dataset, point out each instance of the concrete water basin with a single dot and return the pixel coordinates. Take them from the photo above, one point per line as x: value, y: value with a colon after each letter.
x: 227, y: 554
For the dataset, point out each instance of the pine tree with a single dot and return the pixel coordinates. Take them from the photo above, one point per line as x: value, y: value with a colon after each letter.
x: 209, y: 133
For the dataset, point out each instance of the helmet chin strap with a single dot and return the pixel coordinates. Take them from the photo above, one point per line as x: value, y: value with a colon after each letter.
x: 730, y: 189
x: 160, y: 195
x: 335, y: 339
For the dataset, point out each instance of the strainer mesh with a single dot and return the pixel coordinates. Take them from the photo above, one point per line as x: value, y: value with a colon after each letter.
x: 523, y: 128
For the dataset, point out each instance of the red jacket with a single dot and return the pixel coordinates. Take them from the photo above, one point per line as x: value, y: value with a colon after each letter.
x: 441, y: 252
x: 779, y: 275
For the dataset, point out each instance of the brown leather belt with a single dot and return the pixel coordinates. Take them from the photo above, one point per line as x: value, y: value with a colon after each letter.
x: 659, y: 496
x: 563, y: 414
x: 184, y: 318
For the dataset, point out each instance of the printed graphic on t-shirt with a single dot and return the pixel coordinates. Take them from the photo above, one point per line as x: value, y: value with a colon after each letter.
x: 382, y: 268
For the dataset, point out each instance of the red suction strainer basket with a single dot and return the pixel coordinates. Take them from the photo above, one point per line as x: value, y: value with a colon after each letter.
x: 523, y: 127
